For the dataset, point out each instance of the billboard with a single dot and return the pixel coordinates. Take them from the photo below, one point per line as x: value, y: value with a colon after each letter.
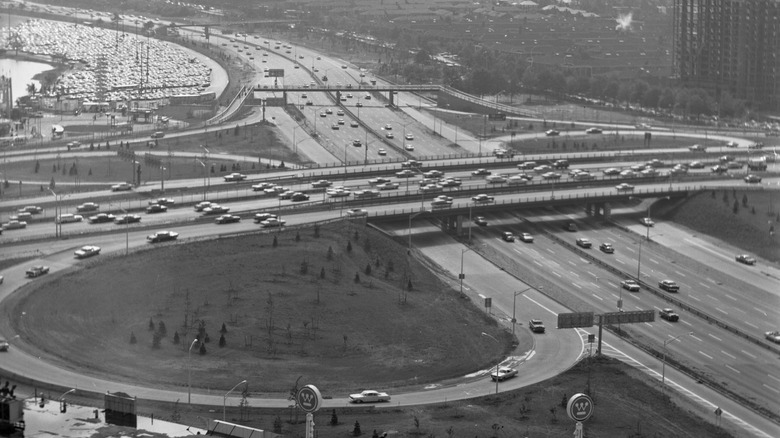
x: 575, y: 320
x: 275, y: 72
x: 634, y: 316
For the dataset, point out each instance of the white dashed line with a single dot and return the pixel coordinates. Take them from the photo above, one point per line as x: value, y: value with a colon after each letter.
x: 729, y: 355
x: 733, y: 369
x: 704, y: 285
x: 747, y: 354
x: 602, y: 299
x: 715, y: 337
x: 705, y: 354
x: 577, y: 285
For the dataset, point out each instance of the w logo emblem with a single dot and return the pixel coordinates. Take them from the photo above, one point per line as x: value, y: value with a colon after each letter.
x: 309, y: 398
x: 306, y: 398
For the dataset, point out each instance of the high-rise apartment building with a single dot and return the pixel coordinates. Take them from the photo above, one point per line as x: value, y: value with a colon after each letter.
x: 730, y: 46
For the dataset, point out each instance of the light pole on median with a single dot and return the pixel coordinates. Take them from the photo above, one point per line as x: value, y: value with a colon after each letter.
x: 189, y: 371
x: 514, y: 307
x: 57, y: 224
x: 412, y: 216
x: 497, y: 363
x: 204, y: 178
x: 162, y: 178
x: 127, y: 231
x: 224, y: 399
x: 663, y: 363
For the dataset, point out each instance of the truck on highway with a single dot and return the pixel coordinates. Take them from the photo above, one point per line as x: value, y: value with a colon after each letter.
x: 757, y: 163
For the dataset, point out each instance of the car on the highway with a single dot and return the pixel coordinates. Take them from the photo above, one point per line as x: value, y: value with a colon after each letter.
x: 719, y: 168
x: 259, y: 187
x: 607, y: 248
x: 697, y: 148
x: 409, y: 147
x: 611, y: 171
x: 354, y: 124
x: 516, y: 180
x: 334, y: 126
x: 381, y: 151
x: 389, y: 135
x: 406, y: 173
x: 441, y: 201
x: 121, y: 187
x: 732, y: 144
x: 87, y: 251
x: 162, y: 201
x: 536, y: 325
x: 338, y: 192
x: 162, y: 236
x: 594, y: 130
x: 431, y: 188
x: 410, y: 164
x: 234, y: 177
x: 646, y: 221
x: 507, y: 236
x: 481, y: 221
x: 503, y: 373
x: 678, y: 169
x: 127, y: 219
x: 227, y: 219
x: 387, y: 186
x: 287, y: 194
x: 696, y: 165
x: 156, y: 208
x: 321, y: 183
x: 752, y: 179
x: 357, y: 212
x: 215, y: 209
x: 299, y: 196
x: 259, y: 217
x: 551, y: 133
x: 101, y: 218
x: 274, y: 190
x: 526, y: 237
x: 36, y: 271
x: 551, y: 175
x: 669, y: 315
x: 68, y: 218
x: 203, y: 204
x: 630, y: 285
x: 24, y: 216
x: 482, y: 198
x: 388, y: 127
x: 433, y: 174
x: 273, y: 222
x: 32, y: 209
x: 328, y: 111
x: 495, y: 179
x: 560, y: 164
x: 773, y: 336
x: 542, y: 168
x: 630, y: 173
x: 481, y: 172
x: 734, y: 165
x: 4, y: 345
x: 450, y: 182
x: 409, y: 136
x: 369, y: 396
x: 669, y: 286
x: 746, y: 259
x: 584, y: 242
x: 357, y: 143
x: 87, y: 206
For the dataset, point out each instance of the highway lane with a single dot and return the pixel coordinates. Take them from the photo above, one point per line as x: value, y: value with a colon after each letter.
x: 742, y: 365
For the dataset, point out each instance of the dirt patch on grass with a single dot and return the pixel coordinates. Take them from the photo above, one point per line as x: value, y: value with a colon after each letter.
x: 346, y: 309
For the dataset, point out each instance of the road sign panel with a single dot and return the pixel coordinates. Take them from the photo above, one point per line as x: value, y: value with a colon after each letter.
x: 275, y: 72
x: 575, y: 320
x: 309, y: 398
x: 497, y: 116
x: 632, y: 317
x: 580, y: 407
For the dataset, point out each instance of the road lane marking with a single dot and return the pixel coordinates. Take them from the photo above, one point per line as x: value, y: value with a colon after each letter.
x: 574, y: 273
x: 572, y: 263
x: 602, y: 299
x: 537, y: 262
x: 596, y: 285
x: 577, y: 285
x: 729, y: 355
x: 694, y: 297
x: 679, y: 273
x: 759, y: 311
x: 733, y: 369
x: 550, y: 251
x: 721, y: 311
x: 654, y: 261
x: 773, y: 377
x: 620, y: 261
x: 704, y: 285
x: 557, y: 274
x: 705, y: 354
x: 751, y: 324
x: 770, y: 388
x: 715, y: 337
x: 730, y: 297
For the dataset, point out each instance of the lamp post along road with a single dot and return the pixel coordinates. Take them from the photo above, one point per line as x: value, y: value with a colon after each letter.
x: 461, y: 276
x: 514, y: 307
x: 663, y: 364
x: 224, y: 399
x: 189, y: 371
x: 497, y: 363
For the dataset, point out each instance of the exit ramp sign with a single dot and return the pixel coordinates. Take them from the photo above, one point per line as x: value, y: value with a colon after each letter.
x: 628, y: 317
x: 575, y: 320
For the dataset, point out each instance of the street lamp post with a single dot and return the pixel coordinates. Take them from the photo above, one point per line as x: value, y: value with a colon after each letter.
x: 189, y: 371
x: 461, y: 276
x: 224, y: 399
x: 204, y: 178
x: 663, y: 363
x: 412, y: 216
x: 57, y: 224
x: 514, y: 307
x: 127, y: 232
x: 497, y: 363
x: 162, y: 178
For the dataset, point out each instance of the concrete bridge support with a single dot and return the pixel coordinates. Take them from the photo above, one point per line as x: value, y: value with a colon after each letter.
x: 589, y: 209
x: 602, y: 210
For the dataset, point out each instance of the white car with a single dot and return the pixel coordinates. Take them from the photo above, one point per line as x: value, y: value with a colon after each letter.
x: 273, y: 222
x: 235, y: 176
x: 68, y: 218
x: 495, y: 179
x: 121, y: 187
x: 321, y: 183
x: 369, y: 396
x: 387, y: 186
x: 482, y: 198
x: 87, y: 251
x: 409, y: 136
x: 526, y: 237
x: 357, y: 212
x: 259, y: 187
x: 339, y: 192
x: 503, y: 373
x: 624, y: 187
x: 14, y: 225
x: 516, y: 180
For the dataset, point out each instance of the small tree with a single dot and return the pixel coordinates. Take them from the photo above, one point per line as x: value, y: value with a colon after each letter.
x: 368, y: 268
x: 330, y: 253
x: 357, y: 277
x: 322, y: 272
x: 334, y: 419
x: 409, y: 285
x: 356, y: 429
x: 735, y: 209
x: 304, y: 267
x: 223, y: 330
x: 349, y: 246
x: 278, y: 424
x: 176, y: 339
x: 222, y: 340
x: 276, y: 242
x: 156, y: 340
x: 316, y: 231
x: 202, y: 350
x: 297, y: 236
x: 744, y: 200
x: 151, y: 325
x: 161, y: 329
x: 133, y: 340
x: 37, y: 166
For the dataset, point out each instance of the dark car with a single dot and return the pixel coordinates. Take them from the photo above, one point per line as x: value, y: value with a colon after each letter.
x: 227, y: 219
x: 156, y: 208
x: 669, y: 315
x: 481, y: 221
x: 583, y: 242
x: 507, y: 236
x: 127, y: 219
x: 669, y: 286
x: 752, y: 179
x: 746, y: 259
x: 101, y: 218
x: 607, y: 248
x: 298, y: 196
x: 162, y: 236
x: 536, y: 325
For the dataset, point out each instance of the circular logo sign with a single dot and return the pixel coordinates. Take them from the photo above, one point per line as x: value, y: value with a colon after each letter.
x: 309, y: 398
x: 580, y: 407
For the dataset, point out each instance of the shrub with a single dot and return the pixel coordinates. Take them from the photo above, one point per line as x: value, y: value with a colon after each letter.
x: 349, y: 246
x: 176, y: 339
x: 222, y: 341
x: 368, y: 268
x: 202, y: 349
x: 133, y: 340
